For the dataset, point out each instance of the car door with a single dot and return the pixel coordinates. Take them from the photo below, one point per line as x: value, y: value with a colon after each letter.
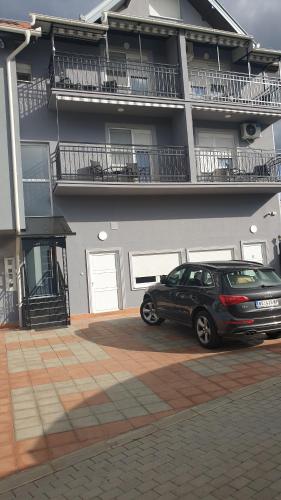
x: 196, y: 290
x: 166, y: 293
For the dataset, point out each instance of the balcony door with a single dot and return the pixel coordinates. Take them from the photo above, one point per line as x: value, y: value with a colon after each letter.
x: 216, y: 152
x: 126, y: 73
x: 133, y: 155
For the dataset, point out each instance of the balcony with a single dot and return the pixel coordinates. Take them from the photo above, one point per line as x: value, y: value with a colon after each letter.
x: 82, y: 168
x: 75, y: 72
x: 238, y: 166
x: 235, y: 89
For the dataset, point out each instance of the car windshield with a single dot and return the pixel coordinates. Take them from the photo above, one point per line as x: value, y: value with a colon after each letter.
x: 252, y: 278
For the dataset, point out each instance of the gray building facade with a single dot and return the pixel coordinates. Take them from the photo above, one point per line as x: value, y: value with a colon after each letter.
x: 141, y: 137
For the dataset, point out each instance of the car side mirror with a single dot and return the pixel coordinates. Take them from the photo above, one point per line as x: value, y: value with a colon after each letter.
x: 163, y: 279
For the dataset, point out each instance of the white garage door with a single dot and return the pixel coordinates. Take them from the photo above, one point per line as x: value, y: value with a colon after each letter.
x: 104, y: 282
x: 148, y: 268
x: 211, y: 255
x: 254, y: 252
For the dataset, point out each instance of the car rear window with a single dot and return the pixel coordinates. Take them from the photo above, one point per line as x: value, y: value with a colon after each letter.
x: 252, y: 278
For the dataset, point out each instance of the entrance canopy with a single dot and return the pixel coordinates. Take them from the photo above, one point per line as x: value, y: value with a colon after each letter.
x: 46, y: 227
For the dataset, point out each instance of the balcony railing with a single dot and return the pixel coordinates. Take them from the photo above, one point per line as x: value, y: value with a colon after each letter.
x: 237, y: 165
x: 120, y: 163
x: 96, y: 74
x: 236, y: 88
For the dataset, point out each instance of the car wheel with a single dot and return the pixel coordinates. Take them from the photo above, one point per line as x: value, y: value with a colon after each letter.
x: 149, y: 314
x: 206, y: 330
x: 273, y: 335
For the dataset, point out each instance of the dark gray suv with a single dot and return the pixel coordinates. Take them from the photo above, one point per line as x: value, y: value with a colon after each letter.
x: 219, y: 300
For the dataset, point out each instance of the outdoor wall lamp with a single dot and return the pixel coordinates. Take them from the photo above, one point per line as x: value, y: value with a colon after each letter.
x: 271, y: 214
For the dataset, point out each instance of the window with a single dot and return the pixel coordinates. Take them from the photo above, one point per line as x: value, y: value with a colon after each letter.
x: 146, y: 269
x: 176, y: 276
x: 211, y: 255
x: 253, y: 278
x: 36, y: 180
x: 194, y: 278
x: 199, y: 91
x: 24, y: 72
x: 169, y: 9
x: 200, y: 277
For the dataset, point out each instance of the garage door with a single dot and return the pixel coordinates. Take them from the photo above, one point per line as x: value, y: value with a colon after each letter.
x: 147, y: 268
x: 254, y: 252
x: 211, y: 255
x: 104, y: 282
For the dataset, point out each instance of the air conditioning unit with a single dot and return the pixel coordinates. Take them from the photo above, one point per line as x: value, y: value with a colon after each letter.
x: 250, y: 131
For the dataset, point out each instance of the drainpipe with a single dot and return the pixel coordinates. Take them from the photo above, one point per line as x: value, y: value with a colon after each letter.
x: 11, y: 57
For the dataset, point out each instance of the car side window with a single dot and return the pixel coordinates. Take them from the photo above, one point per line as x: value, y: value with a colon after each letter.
x: 208, y: 279
x: 200, y: 277
x: 176, y: 276
x: 194, y: 277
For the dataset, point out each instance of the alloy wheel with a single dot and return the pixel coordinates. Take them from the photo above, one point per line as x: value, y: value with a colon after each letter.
x: 203, y: 329
x: 149, y: 313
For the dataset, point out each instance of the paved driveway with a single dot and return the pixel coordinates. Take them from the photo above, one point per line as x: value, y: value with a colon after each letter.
x: 62, y: 390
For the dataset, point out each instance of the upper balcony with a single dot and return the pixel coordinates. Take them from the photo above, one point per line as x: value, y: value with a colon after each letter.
x: 88, y: 74
x: 235, y: 89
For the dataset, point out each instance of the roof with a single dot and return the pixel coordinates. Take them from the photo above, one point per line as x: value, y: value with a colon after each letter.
x: 11, y: 23
x: 44, y: 227
x: 200, y: 6
x: 69, y: 28
x: 228, y: 264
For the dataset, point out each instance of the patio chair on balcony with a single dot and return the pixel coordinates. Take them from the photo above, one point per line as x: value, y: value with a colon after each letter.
x: 272, y: 169
x: 110, y: 86
x: 92, y: 173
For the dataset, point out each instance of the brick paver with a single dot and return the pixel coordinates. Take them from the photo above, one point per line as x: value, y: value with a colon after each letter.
x: 66, y: 389
x: 226, y: 449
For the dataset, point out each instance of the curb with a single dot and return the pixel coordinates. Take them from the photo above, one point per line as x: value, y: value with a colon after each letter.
x: 25, y: 477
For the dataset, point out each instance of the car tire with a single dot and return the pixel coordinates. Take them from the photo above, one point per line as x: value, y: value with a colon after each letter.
x: 148, y: 313
x: 274, y: 335
x: 206, y: 331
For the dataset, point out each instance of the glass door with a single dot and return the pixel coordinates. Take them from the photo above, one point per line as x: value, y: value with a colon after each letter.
x: 40, y: 261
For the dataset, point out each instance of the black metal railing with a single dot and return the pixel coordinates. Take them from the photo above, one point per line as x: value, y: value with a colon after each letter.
x: 237, y: 165
x: 120, y: 163
x: 64, y: 291
x: 236, y: 88
x: 97, y: 74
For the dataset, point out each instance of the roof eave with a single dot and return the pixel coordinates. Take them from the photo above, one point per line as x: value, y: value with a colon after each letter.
x: 107, y: 5
x: 236, y: 26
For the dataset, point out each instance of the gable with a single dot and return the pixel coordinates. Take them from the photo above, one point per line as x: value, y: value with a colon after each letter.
x: 174, y: 10
x: 200, y: 13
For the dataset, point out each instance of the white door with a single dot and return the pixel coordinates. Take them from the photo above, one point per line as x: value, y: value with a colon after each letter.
x: 104, y: 282
x: 215, y: 151
x: 211, y: 255
x: 254, y: 252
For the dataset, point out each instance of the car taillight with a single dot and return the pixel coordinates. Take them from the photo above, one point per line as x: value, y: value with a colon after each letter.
x: 231, y: 300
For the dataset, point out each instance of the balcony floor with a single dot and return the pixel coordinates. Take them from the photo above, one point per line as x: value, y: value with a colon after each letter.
x: 77, y: 188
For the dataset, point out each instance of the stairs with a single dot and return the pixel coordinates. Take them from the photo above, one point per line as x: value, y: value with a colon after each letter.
x: 45, y: 312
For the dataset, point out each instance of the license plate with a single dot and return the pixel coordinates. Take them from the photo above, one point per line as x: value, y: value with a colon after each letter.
x: 263, y: 304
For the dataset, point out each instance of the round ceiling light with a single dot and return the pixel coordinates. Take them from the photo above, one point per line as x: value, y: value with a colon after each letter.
x: 121, y: 110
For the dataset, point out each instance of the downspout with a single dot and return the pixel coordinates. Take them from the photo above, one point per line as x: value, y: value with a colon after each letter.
x: 10, y: 58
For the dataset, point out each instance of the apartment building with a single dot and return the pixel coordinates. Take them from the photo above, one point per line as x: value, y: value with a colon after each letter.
x: 133, y: 139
